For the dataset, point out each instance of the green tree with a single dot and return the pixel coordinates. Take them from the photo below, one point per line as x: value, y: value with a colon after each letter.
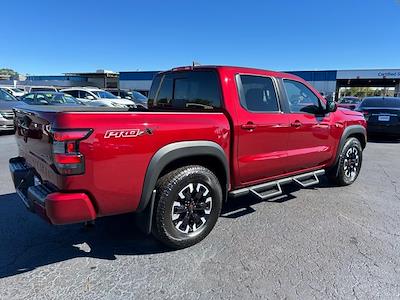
x: 9, y: 72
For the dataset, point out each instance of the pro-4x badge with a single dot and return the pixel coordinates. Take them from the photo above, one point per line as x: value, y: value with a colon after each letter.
x: 123, y: 133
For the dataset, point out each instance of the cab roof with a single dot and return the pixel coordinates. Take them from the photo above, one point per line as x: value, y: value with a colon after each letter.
x: 236, y: 69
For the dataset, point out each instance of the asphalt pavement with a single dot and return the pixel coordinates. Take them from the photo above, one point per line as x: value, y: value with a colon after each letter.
x: 324, y: 242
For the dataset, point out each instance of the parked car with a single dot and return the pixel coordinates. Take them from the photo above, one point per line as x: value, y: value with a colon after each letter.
x: 16, y: 92
x: 31, y: 89
x: 7, y: 103
x: 138, y: 98
x: 382, y: 115
x: 209, y: 132
x: 97, y: 97
x: 349, y: 102
x: 50, y: 98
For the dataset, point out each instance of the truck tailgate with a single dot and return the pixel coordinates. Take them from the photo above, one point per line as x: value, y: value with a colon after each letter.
x: 34, y: 141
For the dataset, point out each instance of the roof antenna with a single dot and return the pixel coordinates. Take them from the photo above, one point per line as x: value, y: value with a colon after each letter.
x: 195, y: 64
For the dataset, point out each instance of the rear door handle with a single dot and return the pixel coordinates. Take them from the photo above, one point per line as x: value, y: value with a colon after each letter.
x: 296, y: 124
x: 249, y: 126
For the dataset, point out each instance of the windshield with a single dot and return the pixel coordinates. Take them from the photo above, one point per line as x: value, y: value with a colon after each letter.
x: 17, y: 90
x: 63, y: 98
x: 138, y: 96
x: 57, y: 98
x: 381, y: 102
x: 4, y: 96
x: 104, y: 95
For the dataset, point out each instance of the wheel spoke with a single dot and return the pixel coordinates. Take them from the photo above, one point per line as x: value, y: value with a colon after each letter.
x: 197, y: 196
x: 180, y: 209
x: 184, y: 224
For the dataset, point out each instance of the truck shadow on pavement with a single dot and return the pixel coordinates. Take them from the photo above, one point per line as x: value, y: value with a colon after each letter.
x: 242, y: 206
x: 28, y: 242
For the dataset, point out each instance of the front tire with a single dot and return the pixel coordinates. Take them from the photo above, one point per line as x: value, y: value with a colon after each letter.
x: 348, y: 167
x: 188, y: 204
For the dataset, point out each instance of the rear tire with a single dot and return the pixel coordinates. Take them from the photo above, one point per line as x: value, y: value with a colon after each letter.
x: 188, y: 204
x: 348, y: 166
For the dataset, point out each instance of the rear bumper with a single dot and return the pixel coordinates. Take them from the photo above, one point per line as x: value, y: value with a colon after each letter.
x: 392, y: 129
x: 45, y: 200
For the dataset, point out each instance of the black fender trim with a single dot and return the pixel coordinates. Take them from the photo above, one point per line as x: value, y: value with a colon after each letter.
x: 350, y: 130
x: 171, y: 153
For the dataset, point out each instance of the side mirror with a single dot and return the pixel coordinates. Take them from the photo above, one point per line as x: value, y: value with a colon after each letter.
x: 89, y: 97
x: 331, y: 106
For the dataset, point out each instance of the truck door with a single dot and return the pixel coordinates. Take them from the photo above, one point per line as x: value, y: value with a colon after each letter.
x: 263, y: 129
x: 310, y: 139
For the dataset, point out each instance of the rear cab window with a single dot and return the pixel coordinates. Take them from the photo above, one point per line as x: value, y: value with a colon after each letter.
x: 381, y: 102
x: 197, y: 90
x: 257, y: 93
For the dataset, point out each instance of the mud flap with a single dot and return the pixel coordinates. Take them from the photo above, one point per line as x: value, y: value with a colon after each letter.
x: 144, y: 219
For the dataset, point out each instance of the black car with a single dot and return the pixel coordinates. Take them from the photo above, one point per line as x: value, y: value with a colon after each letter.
x: 382, y: 115
x: 50, y: 98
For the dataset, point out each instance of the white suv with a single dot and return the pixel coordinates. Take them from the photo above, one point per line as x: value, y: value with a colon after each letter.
x: 16, y: 92
x: 98, y: 97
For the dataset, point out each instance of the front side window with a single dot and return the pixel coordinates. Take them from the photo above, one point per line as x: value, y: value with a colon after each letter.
x: 301, y: 98
x: 257, y: 94
x: 193, y: 90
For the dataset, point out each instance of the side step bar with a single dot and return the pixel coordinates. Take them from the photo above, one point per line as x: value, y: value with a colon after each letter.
x: 274, y: 188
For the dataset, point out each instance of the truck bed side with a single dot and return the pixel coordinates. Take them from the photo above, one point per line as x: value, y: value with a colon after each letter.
x: 119, y: 150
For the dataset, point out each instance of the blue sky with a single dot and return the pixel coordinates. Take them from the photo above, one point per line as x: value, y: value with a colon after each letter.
x: 52, y: 37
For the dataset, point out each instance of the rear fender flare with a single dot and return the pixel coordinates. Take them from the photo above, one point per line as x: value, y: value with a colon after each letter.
x: 173, y: 152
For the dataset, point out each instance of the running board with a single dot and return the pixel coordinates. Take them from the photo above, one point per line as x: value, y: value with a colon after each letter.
x: 274, y: 188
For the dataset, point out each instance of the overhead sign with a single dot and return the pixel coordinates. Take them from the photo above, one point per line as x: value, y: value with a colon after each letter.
x: 369, y: 74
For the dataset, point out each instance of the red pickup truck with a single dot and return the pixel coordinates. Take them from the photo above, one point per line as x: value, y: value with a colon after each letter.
x: 209, y: 132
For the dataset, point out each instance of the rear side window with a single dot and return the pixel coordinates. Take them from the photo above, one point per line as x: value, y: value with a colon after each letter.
x: 196, y: 90
x: 72, y: 93
x: 257, y: 94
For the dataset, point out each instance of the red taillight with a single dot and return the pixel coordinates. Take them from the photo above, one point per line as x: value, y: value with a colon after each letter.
x: 67, y: 158
x: 366, y: 115
x: 73, y: 135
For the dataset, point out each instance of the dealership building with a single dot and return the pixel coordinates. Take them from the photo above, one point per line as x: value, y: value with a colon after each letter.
x: 328, y: 82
